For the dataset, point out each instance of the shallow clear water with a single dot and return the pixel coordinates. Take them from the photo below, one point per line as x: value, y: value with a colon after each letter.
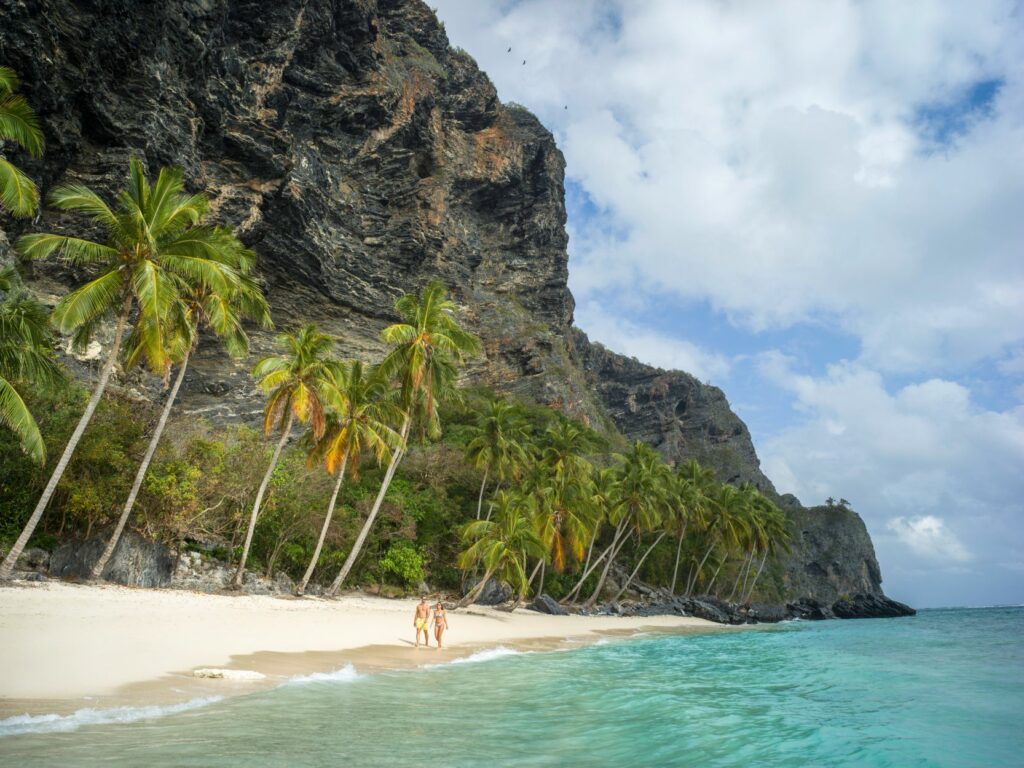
x: 944, y: 688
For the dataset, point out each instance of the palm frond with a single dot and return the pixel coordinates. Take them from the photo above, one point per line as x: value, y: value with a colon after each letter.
x: 18, y: 193
x: 88, y: 303
x: 18, y: 123
x: 17, y: 417
x: 72, y: 249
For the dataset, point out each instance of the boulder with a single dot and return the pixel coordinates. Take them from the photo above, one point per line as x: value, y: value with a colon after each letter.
x: 547, y: 604
x: 137, y: 561
x: 34, y: 559
x: 870, y: 607
x: 493, y: 593
x: 768, y: 613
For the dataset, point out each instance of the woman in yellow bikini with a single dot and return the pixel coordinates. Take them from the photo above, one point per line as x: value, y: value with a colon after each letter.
x: 440, y: 621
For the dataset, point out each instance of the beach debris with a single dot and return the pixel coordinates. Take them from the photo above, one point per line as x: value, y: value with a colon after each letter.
x: 238, y: 675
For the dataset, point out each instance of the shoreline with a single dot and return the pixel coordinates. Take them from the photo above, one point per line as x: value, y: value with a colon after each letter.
x: 70, y: 647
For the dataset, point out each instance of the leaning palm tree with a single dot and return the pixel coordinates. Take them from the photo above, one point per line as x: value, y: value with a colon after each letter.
x: 692, y: 488
x: 360, y: 411
x: 642, y: 496
x: 219, y: 310
x: 295, y: 382
x: 501, y: 545
x: 26, y: 358
x: 498, y: 444
x: 154, y: 243
x: 18, y: 124
x: 427, y: 347
x: 604, y: 501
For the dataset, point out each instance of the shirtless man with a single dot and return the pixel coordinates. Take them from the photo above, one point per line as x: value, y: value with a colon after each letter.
x: 421, y: 621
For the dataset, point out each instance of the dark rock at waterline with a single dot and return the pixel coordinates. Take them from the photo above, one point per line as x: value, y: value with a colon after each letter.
x: 547, y: 604
x: 870, y: 607
x: 136, y: 562
x: 493, y: 593
x: 810, y: 610
x: 767, y: 613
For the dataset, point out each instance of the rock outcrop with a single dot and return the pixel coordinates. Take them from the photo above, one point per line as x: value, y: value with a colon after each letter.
x: 136, y: 562
x: 360, y: 156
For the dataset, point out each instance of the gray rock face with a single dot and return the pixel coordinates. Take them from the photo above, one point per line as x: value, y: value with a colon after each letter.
x: 360, y: 156
x: 136, y: 562
x: 34, y: 559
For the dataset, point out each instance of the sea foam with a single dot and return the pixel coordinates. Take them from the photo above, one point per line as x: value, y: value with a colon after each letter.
x: 344, y: 675
x: 487, y: 655
x: 52, y: 723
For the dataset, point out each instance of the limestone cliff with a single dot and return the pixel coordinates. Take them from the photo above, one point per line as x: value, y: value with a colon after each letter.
x: 361, y: 155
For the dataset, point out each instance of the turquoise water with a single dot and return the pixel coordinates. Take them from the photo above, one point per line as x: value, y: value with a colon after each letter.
x: 944, y: 688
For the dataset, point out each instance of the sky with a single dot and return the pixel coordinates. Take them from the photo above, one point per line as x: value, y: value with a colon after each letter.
x: 819, y: 207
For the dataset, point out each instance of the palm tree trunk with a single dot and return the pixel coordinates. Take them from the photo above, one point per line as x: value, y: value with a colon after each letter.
x: 604, y: 573
x: 301, y: 588
x: 757, y: 575
x: 746, y: 575
x: 588, y: 571
x: 739, y: 575
x: 12, y: 557
x: 540, y: 589
x: 715, y: 576
x: 696, y: 575
x: 475, y: 592
x: 533, y: 573
x: 360, y: 540
x: 637, y: 569
x: 480, y: 498
x: 236, y: 583
x: 101, y: 564
x: 679, y: 551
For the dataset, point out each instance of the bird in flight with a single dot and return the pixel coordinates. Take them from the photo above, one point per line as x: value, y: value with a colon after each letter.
x: 524, y: 62
x: 509, y: 49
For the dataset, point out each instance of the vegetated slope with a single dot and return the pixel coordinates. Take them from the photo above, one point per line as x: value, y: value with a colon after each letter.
x: 360, y: 155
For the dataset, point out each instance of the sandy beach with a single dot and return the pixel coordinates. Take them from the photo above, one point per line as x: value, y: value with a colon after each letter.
x: 66, y: 646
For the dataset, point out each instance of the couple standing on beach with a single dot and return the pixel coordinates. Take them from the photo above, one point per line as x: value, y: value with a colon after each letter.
x: 423, y: 620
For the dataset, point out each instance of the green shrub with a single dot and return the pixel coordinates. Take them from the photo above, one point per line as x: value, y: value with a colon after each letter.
x: 404, y: 562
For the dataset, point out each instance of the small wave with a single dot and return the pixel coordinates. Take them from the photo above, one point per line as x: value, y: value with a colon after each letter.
x: 19, y: 724
x: 344, y: 675
x: 487, y: 655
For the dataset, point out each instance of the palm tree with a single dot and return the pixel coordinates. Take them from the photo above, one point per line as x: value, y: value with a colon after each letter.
x: 426, y: 348
x: 775, y: 528
x: 692, y: 488
x: 498, y: 444
x: 295, y: 382
x: 604, y: 501
x: 153, y: 245
x: 358, y: 420
x: 220, y: 310
x: 642, y: 496
x: 501, y: 545
x: 724, y: 524
x: 18, y: 124
x: 25, y: 357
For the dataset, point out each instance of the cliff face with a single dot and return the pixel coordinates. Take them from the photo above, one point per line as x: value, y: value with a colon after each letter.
x: 360, y: 156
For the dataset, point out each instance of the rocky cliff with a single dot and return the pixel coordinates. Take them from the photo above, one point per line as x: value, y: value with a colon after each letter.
x: 361, y: 155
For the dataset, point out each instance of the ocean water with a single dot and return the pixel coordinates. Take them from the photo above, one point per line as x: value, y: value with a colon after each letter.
x: 944, y: 688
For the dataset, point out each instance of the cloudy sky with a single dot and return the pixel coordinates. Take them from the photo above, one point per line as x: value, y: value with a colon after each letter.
x: 819, y: 207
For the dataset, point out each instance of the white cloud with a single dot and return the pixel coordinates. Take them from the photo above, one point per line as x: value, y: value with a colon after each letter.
x: 934, y: 475
x: 929, y: 537
x: 654, y: 348
x: 769, y: 158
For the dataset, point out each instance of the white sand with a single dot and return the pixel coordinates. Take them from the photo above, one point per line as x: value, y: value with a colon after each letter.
x: 61, y: 641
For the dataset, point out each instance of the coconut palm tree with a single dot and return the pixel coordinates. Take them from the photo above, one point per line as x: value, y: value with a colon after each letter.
x: 775, y: 527
x: 498, y: 444
x: 427, y: 347
x: 221, y: 311
x: 295, y: 382
x: 501, y: 545
x: 26, y: 358
x: 154, y: 244
x: 604, y: 501
x: 359, y: 416
x: 642, y: 497
x: 693, y: 487
x: 18, y: 124
x: 724, y: 526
